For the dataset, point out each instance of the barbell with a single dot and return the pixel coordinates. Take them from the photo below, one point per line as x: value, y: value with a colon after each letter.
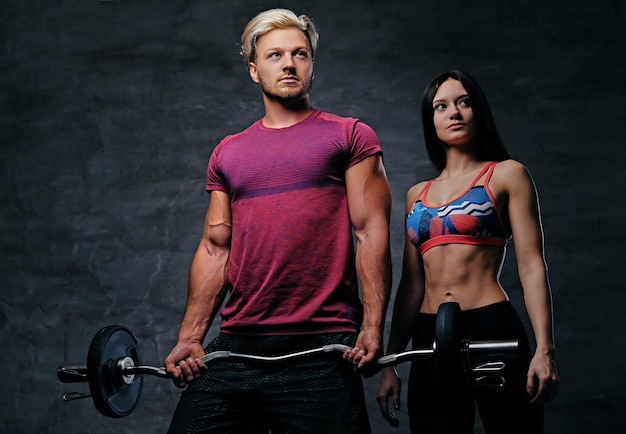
x: 115, y: 373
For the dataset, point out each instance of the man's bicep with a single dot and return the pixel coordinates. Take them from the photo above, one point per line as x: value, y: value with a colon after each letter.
x: 368, y: 191
x: 218, y: 221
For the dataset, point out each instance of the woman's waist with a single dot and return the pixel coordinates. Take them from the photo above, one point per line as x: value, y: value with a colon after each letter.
x: 469, y: 295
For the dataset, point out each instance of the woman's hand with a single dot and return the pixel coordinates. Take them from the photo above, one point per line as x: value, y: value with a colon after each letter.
x: 390, y: 387
x: 542, y: 380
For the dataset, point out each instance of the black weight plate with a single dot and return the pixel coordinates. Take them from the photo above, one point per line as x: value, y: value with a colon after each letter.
x: 448, y: 336
x: 111, y: 395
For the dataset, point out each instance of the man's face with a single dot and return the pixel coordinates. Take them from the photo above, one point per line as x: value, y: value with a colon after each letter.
x: 283, y: 65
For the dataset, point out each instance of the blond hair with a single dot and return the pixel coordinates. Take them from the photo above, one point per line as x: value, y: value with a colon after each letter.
x: 274, y: 19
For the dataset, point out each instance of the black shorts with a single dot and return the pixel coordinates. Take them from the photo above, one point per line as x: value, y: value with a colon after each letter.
x: 310, y: 395
x: 445, y: 402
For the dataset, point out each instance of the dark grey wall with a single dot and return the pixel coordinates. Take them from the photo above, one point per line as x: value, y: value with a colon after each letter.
x: 109, y: 111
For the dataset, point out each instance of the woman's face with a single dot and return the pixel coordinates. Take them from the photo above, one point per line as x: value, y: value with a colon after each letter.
x: 453, y: 117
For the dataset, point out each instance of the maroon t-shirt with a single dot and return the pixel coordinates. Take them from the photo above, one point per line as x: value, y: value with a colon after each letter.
x: 291, y: 267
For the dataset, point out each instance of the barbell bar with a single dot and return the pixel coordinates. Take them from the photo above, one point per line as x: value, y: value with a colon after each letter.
x: 115, y: 374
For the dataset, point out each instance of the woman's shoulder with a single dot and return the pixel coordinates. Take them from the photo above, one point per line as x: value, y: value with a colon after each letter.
x: 415, y: 190
x: 511, y: 173
x: 510, y: 167
x: 413, y: 193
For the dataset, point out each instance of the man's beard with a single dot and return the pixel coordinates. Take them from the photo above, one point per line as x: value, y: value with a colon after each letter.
x: 287, y: 94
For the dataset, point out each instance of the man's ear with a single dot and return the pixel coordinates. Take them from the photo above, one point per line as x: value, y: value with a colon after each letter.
x: 253, y: 72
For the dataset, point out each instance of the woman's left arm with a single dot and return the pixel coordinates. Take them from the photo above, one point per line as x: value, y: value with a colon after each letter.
x: 525, y: 219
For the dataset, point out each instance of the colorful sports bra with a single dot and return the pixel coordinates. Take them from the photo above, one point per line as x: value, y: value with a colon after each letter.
x: 472, y: 218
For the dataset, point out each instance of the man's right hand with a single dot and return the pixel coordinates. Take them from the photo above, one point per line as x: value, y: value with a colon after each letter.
x: 183, y: 363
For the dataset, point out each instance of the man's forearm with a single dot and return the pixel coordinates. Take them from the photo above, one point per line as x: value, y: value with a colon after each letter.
x: 373, y: 264
x: 207, y: 289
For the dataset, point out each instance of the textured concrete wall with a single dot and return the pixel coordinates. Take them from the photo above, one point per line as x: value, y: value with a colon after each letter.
x: 109, y: 111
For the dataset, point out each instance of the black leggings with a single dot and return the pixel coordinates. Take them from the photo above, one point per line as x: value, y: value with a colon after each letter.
x: 444, y: 402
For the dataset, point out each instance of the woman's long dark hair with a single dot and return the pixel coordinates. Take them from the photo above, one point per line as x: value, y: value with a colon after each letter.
x: 487, y: 142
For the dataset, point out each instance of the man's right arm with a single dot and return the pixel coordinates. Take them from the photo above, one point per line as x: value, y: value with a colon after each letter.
x: 207, y: 289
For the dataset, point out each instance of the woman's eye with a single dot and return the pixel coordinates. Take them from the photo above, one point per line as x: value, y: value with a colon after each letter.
x: 465, y: 102
x: 440, y: 107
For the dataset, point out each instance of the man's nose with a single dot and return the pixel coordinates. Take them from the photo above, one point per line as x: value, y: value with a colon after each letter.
x: 288, y: 62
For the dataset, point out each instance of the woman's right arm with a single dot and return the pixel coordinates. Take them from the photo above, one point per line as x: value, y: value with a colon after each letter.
x: 407, y: 302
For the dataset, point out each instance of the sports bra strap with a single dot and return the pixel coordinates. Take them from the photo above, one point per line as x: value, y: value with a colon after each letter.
x: 492, y: 167
x: 424, y: 190
x: 488, y: 168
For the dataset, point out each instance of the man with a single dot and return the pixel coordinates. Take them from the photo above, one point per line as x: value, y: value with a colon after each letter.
x: 286, y: 195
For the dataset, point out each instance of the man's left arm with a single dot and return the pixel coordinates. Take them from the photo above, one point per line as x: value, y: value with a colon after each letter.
x: 369, y: 203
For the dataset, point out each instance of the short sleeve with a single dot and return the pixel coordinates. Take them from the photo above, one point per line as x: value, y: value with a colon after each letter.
x: 215, y: 176
x: 363, y: 143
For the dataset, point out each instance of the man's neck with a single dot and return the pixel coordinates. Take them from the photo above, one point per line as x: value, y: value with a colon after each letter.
x: 282, y: 115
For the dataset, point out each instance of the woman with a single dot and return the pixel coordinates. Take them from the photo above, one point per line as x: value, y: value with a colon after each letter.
x: 457, y: 229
